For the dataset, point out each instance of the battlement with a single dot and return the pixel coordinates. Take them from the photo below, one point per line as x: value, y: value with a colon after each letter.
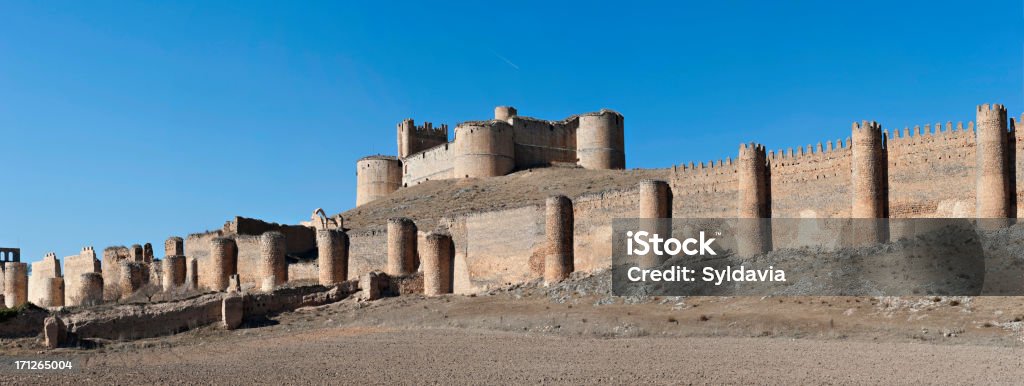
x: 427, y: 129
x: 754, y: 149
x: 991, y: 109
x: 413, y: 139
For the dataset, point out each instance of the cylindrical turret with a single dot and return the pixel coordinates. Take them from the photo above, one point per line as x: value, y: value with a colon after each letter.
x: 15, y: 284
x: 402, y: 252
x: 377, y: 176
x: 332, y: 256
x: 655, y: 199
x: 484, y: 149
x: 753, y: 234
x: 273, y: 266
x: 655, y: 216
x: 173, y: 272
x: 558, y: 263
x: 91, y: 290
x: 51, y: 292
x: 869, y: 179
x: 993, y: 172
x: 600, y: 142
x: 503, y: 113
x: 437, y: 264
x: 223, y: 260
x: 752, y: 182
x: 131, y: 278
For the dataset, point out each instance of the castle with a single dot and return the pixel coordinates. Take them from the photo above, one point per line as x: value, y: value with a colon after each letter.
x: 507, y: 143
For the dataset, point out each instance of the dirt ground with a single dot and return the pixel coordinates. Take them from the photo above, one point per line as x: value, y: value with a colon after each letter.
x: 575, y: 333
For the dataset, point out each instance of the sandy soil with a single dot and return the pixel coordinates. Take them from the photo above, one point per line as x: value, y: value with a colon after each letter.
x: 574, y: 333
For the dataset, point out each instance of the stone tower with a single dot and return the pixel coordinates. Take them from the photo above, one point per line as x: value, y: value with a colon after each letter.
x: 655, y: 215
x: 484, y: 149
x: 504, y: 113
x: 437, y: 254
x: 273, y: 265
x: 413, y: 139
x: 558, y: 262
x: 753, y: 229
x: 223, y: 263
x: 332, y: 256
x: 752, y: 182
x: 402, y: 240
x: 600, y: 142
x: 869, y: 178
x: 993, y: 172
x: 377, y: 176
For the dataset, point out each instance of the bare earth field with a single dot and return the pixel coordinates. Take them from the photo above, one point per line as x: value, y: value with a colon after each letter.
x: 575, y: 333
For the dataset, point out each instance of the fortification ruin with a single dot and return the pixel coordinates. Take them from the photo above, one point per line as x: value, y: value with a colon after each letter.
x: 558, y: 263
x: 15, y: 284
x: 402, y: 243
x: 951, y: 171
x: 492, y: 148
x: 332, y: 256
x: 273, y: 266
x: 437, y: 258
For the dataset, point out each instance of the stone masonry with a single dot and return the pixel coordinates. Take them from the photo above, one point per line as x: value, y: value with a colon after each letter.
x: 273, y: 266
x: 437, y: 258
x: 558, y: 262
x: 15, y: 284
x: 402, y: 255
x: 332, y: 256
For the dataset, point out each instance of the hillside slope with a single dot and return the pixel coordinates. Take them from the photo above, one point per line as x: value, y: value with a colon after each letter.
x: 432, y: 200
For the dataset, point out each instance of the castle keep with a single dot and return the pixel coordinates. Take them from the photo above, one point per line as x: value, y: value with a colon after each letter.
x: 507, y: 143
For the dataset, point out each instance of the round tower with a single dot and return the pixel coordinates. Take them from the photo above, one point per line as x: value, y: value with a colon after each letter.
x: 993, y: 172
x: 332, y: 256
x: 558, y: 227
x: 402, y: 253
x: 173, y: 272
x: 273, y: 265
x: 437, y: 264
x: 484, y: 149
x: 15, y: 284
x: 599, y: 140
x: 377, y: 176
x: 869, y: 178
x: 503, y: 113
x: 223, y: 257
x: 91, y: 291
x: 752, y: 182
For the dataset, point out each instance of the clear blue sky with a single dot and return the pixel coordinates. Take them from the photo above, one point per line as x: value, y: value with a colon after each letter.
x: 130, y: 121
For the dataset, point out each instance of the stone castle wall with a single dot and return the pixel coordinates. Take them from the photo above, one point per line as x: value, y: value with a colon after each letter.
x: 432, y: 164
x: 492, y: 148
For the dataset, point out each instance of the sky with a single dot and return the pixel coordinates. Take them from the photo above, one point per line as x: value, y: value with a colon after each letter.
x: 128, y: 122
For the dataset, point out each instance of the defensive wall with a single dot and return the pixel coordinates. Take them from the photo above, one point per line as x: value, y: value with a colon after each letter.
x: 930, y: 170
x: 300, y: 244
x: 940, y: 170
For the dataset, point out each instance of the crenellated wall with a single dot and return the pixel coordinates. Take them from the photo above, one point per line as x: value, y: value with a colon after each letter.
x: 811, y: 182
x: 931, y: 172
x: 704, y: 191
